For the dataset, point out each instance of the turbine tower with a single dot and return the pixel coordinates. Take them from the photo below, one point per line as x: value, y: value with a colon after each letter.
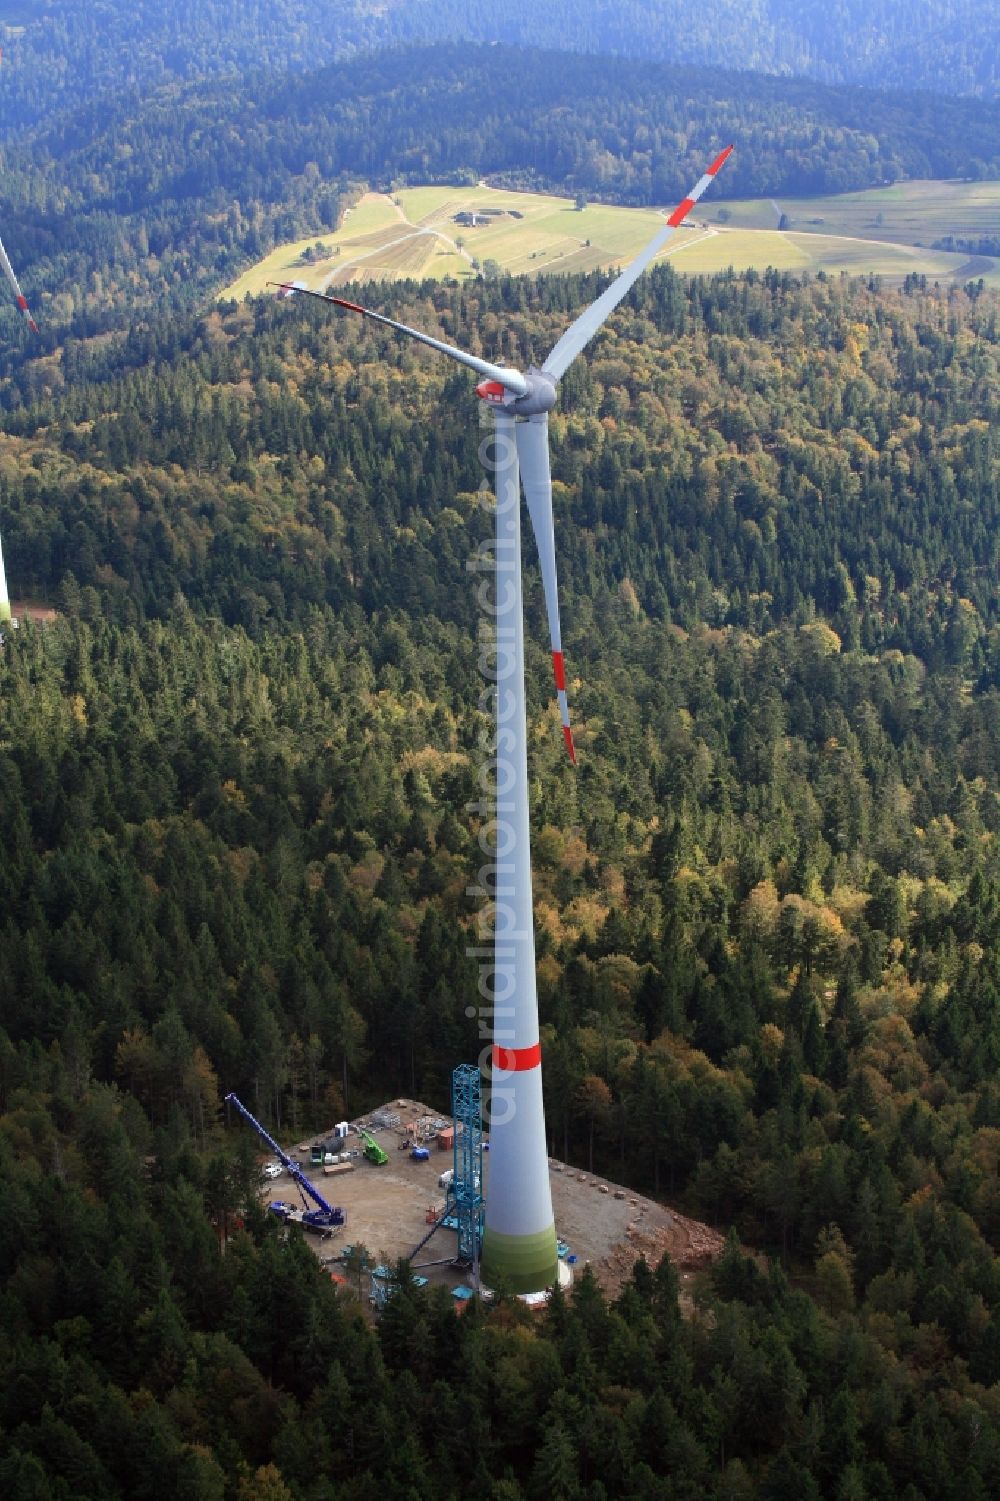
x: 519, y: 1239
x: 5, y: 613
x: 8, y: 271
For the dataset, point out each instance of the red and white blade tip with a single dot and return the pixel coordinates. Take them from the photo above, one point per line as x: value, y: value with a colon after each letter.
x: 559, y: 672
x: 288, y: 287
x: 685, y: 206
x: 22, y: 303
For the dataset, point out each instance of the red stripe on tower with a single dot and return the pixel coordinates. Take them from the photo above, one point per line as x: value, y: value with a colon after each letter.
x: 516, y: 1060
x: 719, y: 161
x: 568, y: 737
x: 22, y: 303
x: 681, y: 212
x: 559, y: 670
x: 353, y: 307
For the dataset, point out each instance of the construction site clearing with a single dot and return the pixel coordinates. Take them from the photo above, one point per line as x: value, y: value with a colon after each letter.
x: 390, y: 1208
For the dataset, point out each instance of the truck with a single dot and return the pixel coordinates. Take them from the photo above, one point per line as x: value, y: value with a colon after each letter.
x: 317, y: 1216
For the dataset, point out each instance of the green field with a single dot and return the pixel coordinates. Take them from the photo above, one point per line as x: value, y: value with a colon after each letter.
x: 415, y: 233
x: 911, y: 213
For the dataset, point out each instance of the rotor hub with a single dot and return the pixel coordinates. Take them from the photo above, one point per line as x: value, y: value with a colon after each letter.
x: 539, y: 397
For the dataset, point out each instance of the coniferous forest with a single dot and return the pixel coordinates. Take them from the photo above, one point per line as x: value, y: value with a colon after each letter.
x: 235, y: 777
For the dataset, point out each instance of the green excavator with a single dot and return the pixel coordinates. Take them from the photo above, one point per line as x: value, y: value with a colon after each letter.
x: 373, y: 1151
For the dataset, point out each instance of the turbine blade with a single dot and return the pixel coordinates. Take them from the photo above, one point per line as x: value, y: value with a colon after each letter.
x: 583, y: 330
x: 22, y: 302
x: 511, y: 380
x: 5, y: 614
x: 532, y: 439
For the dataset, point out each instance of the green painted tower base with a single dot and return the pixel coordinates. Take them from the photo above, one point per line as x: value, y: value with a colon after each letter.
x: 524, y: 1263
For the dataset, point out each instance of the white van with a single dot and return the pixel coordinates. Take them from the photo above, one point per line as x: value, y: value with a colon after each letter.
x: 446, y: 1178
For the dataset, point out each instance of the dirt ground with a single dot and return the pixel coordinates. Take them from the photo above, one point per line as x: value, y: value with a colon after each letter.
x: 612, y: 1227
x: 603, y: 1224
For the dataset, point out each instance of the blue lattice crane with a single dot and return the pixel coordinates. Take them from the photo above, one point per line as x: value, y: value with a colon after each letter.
x: 464, y: 1203
x: 322, y: 1218
x: 467, y: 1184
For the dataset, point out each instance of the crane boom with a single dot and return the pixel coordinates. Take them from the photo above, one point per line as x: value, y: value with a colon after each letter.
x: 324, y: 1214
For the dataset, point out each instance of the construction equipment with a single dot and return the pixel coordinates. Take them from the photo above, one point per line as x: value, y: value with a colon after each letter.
x: 466, y: 1187
x: 373, y: 1151
x: 384, y: 1283
x: 319, y: 1220
x: 462, y: 1183
x: 385, y: 1119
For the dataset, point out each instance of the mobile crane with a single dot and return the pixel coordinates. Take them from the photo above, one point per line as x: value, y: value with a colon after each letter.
x: 324, y: 1218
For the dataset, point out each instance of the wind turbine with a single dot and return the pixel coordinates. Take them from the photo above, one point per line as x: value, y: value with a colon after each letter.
x: 22, y: 301
x: 519, y: 1239
x: 8, y: 271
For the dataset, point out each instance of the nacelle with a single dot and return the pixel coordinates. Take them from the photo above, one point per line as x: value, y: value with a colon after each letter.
x: 539, y: 397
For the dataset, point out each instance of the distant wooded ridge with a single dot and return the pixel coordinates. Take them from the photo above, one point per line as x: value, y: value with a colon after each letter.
x: 73, y: 52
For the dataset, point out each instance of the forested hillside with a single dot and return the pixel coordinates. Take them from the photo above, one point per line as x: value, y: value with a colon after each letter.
x: 118, y: 212
x: 233, y: 787
x: 61, y: 53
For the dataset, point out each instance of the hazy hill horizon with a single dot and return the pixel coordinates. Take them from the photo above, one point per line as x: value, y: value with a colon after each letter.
x: 57, y: 56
